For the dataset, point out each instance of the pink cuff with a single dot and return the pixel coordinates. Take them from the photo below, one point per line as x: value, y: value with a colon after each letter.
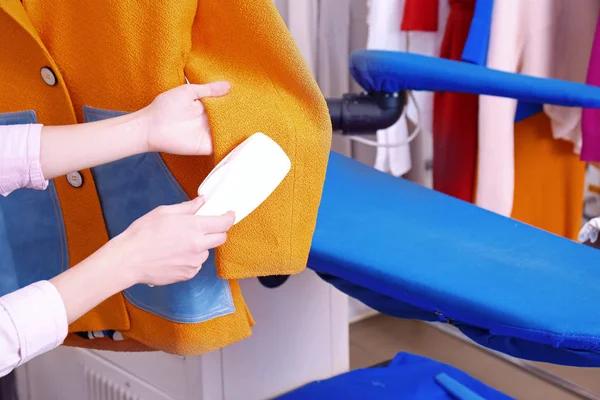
x: 36, y: 176
x: 20, y: 165
x: 39, y: 316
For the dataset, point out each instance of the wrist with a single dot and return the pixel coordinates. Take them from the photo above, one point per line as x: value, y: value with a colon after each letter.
x: 139, y: 129
x: 90, y: 282
x: 114, y: 261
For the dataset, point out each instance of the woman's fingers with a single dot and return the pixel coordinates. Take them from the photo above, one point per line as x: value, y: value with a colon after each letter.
x: 215, y: 240
x: 190, y: 272
x: 217, y: 224
x: 186, y: 208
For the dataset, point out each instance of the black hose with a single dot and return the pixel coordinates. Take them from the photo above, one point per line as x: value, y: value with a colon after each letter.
x: 365, y: 113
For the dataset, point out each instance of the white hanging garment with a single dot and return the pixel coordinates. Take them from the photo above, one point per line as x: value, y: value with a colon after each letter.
x: 333, y: 73
x: 342, y: 29
x: 426, y: 43
x: 282, y: 7
x: 384, y: 21
x: 326, y: 32
x: 385, y: 18
x: 302, y: 21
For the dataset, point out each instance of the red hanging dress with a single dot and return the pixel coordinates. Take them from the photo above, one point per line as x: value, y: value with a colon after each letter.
x: 455, y: 116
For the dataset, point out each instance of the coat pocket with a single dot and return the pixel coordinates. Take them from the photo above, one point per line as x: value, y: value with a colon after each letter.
x: 132, y: 187
x: 33, y: 245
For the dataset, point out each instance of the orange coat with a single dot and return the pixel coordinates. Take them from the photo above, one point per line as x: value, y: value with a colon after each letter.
x: 101, y: 59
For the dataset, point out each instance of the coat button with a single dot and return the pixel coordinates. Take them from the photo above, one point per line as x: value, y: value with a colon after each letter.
x: 75, y: 179
x: 48, y: 76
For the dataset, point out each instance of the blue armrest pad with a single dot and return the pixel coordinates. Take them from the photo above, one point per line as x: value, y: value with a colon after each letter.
x: 413, y: 252
x: 407, y: 377
x: 390, y: 71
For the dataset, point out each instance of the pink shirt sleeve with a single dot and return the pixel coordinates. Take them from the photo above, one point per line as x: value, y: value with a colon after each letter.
x: 20, y: 158
x: 33, y: 320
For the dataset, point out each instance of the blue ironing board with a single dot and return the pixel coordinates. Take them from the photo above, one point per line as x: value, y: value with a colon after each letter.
x: 411, y: 252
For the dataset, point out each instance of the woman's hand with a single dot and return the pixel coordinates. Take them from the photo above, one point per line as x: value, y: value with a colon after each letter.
x: 176, y: 121
x: 165, y: 246
x: 169, y: 244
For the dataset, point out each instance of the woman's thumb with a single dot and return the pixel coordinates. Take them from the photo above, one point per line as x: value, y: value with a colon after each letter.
x: 187, y: 207
x: 213, y: 89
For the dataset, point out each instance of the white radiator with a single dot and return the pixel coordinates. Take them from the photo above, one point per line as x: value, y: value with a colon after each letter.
x: 101, y: 388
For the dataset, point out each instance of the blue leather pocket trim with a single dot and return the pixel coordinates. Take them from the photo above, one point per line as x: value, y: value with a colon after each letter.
x: 132, y: 187
x: 33, y: 244
x: 18, y: 118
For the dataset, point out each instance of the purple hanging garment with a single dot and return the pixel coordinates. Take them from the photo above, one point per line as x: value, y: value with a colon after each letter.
x: 590, y: 120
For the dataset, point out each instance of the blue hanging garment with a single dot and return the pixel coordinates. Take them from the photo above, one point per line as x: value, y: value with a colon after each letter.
x: 478, y: 40
x: 476, y: 50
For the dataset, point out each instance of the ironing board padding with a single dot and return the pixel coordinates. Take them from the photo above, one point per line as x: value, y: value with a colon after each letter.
x: 456, y: 262
x: 390, y: 71
x: 517, y: 347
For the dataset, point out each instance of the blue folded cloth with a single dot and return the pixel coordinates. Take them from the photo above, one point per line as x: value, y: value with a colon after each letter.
x: 408, y: 376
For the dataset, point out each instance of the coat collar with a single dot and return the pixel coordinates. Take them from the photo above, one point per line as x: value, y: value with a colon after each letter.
x: 14, y: 9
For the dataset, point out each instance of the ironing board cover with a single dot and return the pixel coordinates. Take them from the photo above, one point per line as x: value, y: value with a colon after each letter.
x: 391, y: 71
x: 411, y: 252
x: 408, y: 376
